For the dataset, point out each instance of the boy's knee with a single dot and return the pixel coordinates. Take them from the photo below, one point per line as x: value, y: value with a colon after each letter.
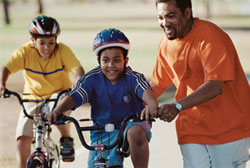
x: 24, y: 139
x: 136, y: 135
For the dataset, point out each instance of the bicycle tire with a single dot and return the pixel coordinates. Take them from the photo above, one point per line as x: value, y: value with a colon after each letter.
x: 53, y: 164
x: 35, y: 163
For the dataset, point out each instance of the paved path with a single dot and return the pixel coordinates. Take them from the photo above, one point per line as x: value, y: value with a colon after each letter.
x: 164, y: 151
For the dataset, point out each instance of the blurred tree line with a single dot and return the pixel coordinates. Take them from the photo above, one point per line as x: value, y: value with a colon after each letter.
x: 6, y: 4
x: 207, y: 4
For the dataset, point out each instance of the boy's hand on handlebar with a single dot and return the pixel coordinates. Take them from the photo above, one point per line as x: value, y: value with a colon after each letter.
x: 2, y: 90
x: 149, y: 113
x: 52, y: 117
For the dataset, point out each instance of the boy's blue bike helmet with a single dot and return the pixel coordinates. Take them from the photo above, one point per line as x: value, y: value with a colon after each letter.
x: 110, y: 38
x: 44, y: 26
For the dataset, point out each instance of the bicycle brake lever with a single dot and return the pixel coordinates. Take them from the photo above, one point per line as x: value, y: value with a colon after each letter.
x: 140, y: 120
x: 61, y: 121
x: 84, y: 119
x: 6, y: 94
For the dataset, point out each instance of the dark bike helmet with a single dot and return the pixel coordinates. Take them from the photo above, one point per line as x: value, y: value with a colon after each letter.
x: 110, y: 38
x: 44, y: 26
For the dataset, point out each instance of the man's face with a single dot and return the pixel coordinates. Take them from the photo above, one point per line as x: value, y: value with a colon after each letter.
x: 172, y: 20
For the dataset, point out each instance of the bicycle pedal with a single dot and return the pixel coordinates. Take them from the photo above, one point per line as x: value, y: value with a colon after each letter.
x: 68, y: 159
x: 67, y: 149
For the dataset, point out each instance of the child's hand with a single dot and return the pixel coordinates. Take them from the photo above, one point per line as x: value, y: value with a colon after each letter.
x: 52, y: 117
x: 149, y: 112
x: 2, y: 90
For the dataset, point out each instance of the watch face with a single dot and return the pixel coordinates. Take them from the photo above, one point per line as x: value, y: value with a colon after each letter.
x: 178, y: 106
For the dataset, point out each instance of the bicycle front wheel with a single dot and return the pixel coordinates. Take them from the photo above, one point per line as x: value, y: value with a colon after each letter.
x: 37, y: 160
x: 35, y: 163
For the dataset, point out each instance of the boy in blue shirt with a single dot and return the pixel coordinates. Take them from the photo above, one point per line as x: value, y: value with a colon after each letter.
x: 114, y: 92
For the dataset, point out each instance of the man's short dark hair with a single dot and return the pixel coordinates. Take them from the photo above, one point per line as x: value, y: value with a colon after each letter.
x: 181, y: 4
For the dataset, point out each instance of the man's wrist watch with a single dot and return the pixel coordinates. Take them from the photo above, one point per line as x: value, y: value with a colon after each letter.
x: 178, y: 106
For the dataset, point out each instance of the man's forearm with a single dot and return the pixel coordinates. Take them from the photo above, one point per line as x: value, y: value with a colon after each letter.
x: 204, y: 93
x: 157, y: 91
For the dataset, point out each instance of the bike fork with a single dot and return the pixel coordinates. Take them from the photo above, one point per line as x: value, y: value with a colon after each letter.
x: 38, y: 155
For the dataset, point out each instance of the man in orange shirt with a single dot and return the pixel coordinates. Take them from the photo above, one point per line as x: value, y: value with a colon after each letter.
x: 213, y: 94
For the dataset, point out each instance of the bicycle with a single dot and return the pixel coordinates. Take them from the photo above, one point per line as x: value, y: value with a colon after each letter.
x: 46, y: 154
x: 100, y: 148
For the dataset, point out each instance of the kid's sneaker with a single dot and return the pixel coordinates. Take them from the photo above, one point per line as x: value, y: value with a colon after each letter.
x: 67, y: 149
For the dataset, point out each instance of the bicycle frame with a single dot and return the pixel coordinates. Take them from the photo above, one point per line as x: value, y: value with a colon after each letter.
x: 100, y: 148
x: 46, y: 152
x: 45, y: 149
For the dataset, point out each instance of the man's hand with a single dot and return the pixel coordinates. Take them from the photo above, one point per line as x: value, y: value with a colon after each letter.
x: 167, y: 112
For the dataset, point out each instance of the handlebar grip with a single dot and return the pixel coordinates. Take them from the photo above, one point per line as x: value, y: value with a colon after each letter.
x: 6, y: 94
x: 137, y: 118
x: 61, y: 120
x: 140, y: 120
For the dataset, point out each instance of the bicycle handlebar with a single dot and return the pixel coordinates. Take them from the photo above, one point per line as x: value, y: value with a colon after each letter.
x: 21, y: 101
x: 63, y: 118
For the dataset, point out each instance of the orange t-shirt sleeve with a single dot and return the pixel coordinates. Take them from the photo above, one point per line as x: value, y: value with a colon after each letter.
x: 217, y: 58
x: 160, y: 77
